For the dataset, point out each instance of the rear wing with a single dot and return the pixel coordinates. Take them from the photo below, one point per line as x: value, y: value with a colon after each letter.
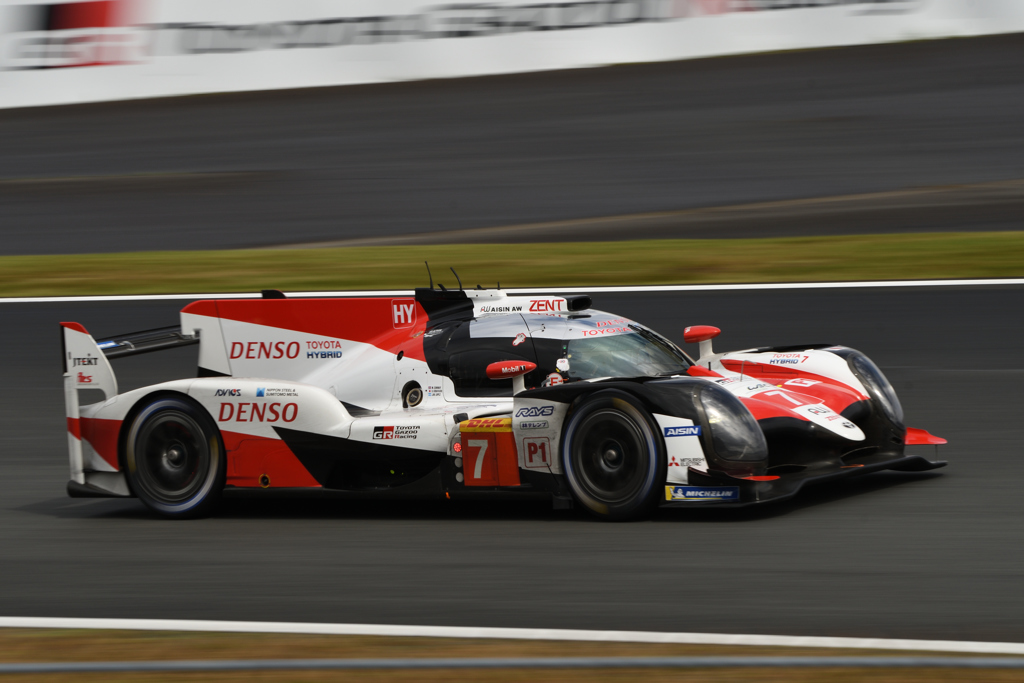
x: 146, y: 341
x: 86, y: 365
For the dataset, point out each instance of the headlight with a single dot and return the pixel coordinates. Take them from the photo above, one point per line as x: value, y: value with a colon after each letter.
x: 877, y: 385
x: 735, y: 434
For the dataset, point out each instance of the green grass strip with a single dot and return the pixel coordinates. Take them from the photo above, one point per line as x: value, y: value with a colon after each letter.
x: 858, y: 257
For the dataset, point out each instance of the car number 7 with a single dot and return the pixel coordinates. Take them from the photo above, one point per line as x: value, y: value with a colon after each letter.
x: 482, y: 445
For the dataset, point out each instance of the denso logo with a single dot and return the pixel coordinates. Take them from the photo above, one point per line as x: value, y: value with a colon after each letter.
x: 403, y: 313
x: 542, y: 305
x: 228, y: 392
x: 537, y: 411
x: 682, y: 431
x: 258, y: 412
x: 264, y: 350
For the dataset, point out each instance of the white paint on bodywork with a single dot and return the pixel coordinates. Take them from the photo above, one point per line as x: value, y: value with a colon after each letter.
x: 813, y: 361
x: 213, y: 353
x: 421, y: 430
x: 682, y: 451
x: 316, y: 410
x: 534, y: 410
x: 118, y: 407
x: 363, y: 375
x: 808, y: 407
x: 79, y: 348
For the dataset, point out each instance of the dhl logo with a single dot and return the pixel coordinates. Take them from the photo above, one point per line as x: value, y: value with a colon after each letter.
x: 487, y: 424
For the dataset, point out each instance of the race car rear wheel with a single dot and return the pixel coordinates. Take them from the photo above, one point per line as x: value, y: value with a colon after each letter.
x: 612, y: 456
x: 175, y: 458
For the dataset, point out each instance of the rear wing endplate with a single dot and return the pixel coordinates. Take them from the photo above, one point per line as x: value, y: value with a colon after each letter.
x: 86, y: 365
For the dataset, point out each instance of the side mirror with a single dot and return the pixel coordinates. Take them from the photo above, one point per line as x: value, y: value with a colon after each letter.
x: 514, y: 369
x: 702, y: 334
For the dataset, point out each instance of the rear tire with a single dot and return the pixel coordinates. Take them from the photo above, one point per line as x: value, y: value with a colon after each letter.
x: 613, y: 457
x: 175, y: 459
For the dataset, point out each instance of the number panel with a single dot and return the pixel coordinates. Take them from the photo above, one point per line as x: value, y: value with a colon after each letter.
x: 479, y: 454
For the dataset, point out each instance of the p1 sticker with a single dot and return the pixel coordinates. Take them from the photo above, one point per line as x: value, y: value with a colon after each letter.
x: 536, y: 452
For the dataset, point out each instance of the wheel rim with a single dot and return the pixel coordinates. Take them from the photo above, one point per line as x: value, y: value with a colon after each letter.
x: 609, y: 453
x: 172, y: 456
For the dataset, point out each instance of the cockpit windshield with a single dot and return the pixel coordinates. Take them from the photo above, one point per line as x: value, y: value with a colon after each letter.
x: 640, y: 352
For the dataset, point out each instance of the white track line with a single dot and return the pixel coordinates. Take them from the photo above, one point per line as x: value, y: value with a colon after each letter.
x: 536, y: 290
x: 511, y: 634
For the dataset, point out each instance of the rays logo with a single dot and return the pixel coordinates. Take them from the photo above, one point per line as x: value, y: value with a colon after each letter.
x: 537, y: 411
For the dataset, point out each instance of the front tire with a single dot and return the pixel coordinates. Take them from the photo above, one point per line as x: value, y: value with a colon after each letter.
x: 613, y: 457
x: 175, y: 459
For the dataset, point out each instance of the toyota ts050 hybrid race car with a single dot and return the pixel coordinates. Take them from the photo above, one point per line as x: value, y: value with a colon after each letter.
x: 462, y: 394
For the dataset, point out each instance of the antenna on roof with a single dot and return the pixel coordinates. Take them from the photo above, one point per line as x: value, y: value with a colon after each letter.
x: 499, y: 284
x: 456, y: 277
x: 429, y: 275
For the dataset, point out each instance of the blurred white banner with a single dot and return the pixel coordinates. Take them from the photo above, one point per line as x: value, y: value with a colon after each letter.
x: 67, y: 52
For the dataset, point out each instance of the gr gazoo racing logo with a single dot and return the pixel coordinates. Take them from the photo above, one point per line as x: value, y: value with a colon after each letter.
x: 61, y: 35
x: 395, y: 432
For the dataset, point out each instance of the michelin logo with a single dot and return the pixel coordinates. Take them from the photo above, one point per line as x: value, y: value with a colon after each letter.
x: 682, y: 431
x: 701, y: 493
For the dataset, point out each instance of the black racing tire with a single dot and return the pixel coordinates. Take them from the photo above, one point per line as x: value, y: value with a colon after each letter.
x: 613, y: 456
x: 175, y: 458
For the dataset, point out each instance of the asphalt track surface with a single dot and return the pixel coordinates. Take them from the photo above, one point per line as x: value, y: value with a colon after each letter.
x: 936, y: 555
x: 341, y: 164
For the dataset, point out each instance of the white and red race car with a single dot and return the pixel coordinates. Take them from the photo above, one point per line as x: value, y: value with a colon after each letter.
x: 480, y: 393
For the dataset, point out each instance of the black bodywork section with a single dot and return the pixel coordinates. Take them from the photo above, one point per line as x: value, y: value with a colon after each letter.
x: 357, y: 465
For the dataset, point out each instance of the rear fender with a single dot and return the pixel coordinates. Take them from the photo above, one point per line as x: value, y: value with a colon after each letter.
x: 254, y: 407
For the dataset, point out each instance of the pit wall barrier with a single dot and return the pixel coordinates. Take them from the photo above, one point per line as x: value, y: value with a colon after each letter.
x: 100, y: 50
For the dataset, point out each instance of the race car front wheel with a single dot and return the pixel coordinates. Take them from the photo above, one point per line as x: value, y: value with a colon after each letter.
x: 175, y: 458
x: 613, y: 457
